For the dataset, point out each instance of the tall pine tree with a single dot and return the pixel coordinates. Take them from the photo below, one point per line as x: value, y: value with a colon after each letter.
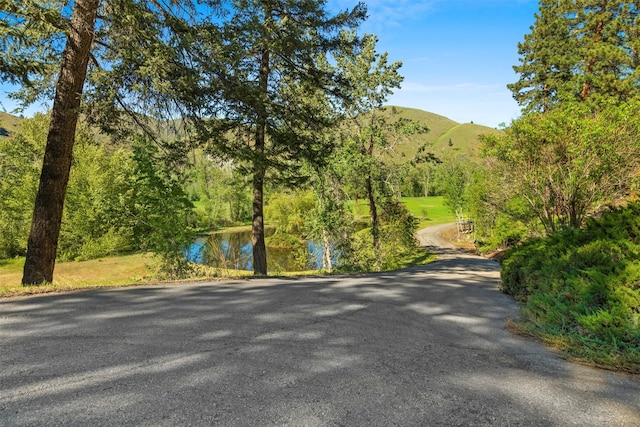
x: 255, y: 73
x: 547, y: 58
x: 582, y: 50
x: 121, y: 47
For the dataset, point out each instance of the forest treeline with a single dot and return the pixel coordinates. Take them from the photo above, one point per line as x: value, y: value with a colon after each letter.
x: 212, y: 104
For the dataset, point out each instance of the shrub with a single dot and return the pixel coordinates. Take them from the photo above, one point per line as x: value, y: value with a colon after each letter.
x: 584, y: 283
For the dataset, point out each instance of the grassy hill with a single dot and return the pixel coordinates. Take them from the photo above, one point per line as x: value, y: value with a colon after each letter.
x: 464, y: 137
x: 9, y: 124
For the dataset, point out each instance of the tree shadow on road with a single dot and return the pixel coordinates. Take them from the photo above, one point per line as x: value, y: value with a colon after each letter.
x: 421, y: 346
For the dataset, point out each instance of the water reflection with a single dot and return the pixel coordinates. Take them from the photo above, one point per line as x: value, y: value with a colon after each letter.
x: 233, y: 250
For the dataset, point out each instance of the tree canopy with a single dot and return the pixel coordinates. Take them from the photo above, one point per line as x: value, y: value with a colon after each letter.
x: 244, y: 80
x: 583, y: 50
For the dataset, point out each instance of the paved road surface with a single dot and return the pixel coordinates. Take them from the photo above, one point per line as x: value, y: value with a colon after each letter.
x: 424, y: 346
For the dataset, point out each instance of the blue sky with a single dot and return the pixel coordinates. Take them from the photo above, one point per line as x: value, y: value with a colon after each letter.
x: 457, y: 55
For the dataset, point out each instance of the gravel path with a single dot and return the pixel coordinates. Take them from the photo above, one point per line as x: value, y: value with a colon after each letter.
x: 423, y: 346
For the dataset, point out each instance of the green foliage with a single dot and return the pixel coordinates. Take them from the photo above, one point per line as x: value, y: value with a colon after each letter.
x: 92, y: 225
x: 398, y: 247
x: 289, y: 210
x: 582, y: 51
x: 220, y: 190
x: 567, y: 161
x: 455, y: 179
x: 162, y: 211
x: 20, y: 162
x: 501, y: 219
x: 117, y: 200
x: 584, y: 284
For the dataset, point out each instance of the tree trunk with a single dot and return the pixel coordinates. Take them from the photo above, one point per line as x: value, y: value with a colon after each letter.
x: 47, y: 215
x: 257, y: 226
x: 327, y: 262
x: 373, y: 213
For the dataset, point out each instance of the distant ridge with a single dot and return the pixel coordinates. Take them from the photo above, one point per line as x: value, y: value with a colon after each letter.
x: 464, y: 137
x: 446, y: 137
x: 9, y: 124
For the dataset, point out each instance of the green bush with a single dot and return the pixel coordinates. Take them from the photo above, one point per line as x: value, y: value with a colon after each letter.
x: 398, y: 247
x: 583, y: 283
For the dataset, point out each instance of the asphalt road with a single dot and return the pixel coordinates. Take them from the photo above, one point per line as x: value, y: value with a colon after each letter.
x: 425, y: 346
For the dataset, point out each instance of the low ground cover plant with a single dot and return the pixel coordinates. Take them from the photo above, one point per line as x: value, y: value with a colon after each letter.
x: 580, y: 288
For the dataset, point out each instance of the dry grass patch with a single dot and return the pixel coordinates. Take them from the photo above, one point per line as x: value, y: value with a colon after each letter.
x: 115, y: 271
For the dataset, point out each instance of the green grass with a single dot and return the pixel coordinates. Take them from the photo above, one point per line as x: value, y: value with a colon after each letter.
x: 465, y: 139
x: 428, y: 210
x: 112, y: 271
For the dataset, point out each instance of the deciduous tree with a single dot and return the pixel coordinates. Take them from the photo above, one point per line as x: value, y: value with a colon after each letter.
x: 370, y: 131
x: 568, y: 161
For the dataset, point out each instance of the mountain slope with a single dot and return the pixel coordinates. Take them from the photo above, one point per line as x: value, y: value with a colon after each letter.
x: 9, y: 124
x: 445, y: 137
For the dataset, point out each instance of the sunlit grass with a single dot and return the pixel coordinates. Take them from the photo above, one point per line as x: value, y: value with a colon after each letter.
x: 113, y: 271
x: 428, y: 210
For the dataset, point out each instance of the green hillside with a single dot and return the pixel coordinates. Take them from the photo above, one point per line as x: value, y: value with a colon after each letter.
x: 9, y: 124
x: 465, y: 137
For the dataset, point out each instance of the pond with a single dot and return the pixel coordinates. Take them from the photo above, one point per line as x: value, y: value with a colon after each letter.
x: 233, y: 250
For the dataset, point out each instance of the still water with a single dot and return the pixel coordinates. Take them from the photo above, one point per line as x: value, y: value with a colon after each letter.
x: 233, y: 250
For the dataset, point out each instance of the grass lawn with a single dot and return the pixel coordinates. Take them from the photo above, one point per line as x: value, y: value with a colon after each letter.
x: 115, y: 271
x: 428, y: 210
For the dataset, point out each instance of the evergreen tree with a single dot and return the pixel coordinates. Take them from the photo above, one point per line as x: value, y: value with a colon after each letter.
x: 605, y: 31
x: 547, y: 58
x: 48, y: 52
x: 585, y: 50
x: 256, y: 71
x: 47, y: 216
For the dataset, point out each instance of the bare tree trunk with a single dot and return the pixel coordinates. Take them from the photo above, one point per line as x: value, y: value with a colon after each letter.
x: 373, y: 213
x: 47, y: 215
x: 327, y: 262
x: 257, y: 227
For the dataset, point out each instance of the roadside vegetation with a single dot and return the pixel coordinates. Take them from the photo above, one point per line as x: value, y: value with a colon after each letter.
x: 174, y: 142
x: 552, y: 178
x: 111, y: 269
x: 581, y: 288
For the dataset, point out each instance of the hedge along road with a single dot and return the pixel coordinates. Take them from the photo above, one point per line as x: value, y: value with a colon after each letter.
x: 422, y: 346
